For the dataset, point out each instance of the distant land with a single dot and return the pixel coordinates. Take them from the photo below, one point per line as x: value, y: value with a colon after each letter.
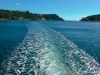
x: 91, y: 18
x: 26, y: 15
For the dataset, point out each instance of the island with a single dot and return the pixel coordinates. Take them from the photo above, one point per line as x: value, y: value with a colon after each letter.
x: 26, y: 15
x: 91, y: 18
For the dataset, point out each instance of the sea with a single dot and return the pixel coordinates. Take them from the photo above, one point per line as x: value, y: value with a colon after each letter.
x: 49, y: 48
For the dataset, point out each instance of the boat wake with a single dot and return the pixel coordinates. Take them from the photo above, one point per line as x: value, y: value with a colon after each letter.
x: 46, y: 52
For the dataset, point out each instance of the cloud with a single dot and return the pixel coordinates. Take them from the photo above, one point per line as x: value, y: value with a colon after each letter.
x: 17, y: 3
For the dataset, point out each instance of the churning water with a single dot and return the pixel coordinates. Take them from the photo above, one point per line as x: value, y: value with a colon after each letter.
x: 46, y: 50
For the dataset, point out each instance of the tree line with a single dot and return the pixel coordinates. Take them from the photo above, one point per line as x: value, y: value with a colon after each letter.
x: 22, y: 15
x: 91, y: 18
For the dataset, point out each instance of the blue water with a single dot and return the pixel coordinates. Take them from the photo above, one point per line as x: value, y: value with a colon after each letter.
x: 49, y: 48
x: 11, y: 34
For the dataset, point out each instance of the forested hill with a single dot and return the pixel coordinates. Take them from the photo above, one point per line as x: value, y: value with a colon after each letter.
x: 26, y: 15
x: 91, y: 18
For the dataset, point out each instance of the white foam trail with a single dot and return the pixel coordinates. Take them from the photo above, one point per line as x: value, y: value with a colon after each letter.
x: 79, y: 60
x: 46, y: 52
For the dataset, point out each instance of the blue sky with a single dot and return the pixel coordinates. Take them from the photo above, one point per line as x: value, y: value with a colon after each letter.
x: 67, y: 9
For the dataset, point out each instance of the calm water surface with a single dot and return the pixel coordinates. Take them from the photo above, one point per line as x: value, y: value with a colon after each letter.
x: 49, y: 48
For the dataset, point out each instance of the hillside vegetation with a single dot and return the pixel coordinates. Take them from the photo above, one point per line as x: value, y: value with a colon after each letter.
x: 26, y: 15
x: 91, y: 18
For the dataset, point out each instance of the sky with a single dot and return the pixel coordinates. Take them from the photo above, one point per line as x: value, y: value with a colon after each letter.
x: 67, y: 9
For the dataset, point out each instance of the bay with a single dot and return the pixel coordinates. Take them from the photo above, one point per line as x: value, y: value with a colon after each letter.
x: 49, y: 48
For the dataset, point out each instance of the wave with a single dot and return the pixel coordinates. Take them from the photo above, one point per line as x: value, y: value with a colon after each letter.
x: 46, y: 52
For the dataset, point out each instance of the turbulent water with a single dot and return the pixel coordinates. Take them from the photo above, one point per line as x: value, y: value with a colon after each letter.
x: 46, y: 50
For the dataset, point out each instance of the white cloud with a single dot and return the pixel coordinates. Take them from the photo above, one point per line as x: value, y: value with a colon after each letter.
x: 17, y: 3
